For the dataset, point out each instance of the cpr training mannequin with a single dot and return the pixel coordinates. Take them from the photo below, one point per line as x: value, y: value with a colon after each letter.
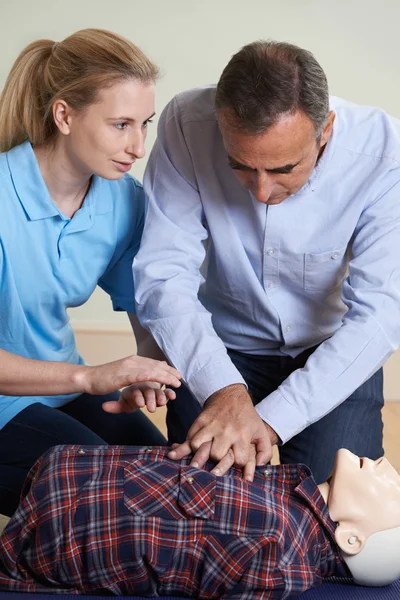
x: 127, y: 520
x: 363, y: 497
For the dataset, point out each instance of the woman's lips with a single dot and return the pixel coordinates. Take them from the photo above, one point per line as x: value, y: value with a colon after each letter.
x: 123, y: 166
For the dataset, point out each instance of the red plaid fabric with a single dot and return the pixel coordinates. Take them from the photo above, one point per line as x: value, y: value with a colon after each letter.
x: 127, y: 520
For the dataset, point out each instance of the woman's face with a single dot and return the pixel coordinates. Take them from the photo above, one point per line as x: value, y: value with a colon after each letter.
x: 108, y: 136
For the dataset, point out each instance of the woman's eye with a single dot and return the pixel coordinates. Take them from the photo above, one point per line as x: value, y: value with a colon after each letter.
x: 145, y: 123
x: 121, y: 126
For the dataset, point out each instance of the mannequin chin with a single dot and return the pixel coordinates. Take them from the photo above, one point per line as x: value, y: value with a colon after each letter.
x: 378, y: 563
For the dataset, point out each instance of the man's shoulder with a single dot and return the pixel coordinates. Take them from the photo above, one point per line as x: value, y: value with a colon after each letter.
x: 196, y: 104
x: 366, y: 130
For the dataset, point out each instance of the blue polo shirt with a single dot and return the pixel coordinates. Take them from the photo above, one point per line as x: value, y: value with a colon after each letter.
x: 49, y: 262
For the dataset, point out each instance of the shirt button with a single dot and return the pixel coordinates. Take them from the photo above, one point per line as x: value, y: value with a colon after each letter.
x: 334, y: 256
x: 288, y: 328
x: 189, y: 479
x: 149, y: 449
x: 267, y: 473
x: 270, y: 251
x: 271, y: 284
x: 81, y: 451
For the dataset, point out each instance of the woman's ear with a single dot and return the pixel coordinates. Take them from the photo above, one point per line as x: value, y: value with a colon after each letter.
x: 349, y: 539
x: 61, y: 116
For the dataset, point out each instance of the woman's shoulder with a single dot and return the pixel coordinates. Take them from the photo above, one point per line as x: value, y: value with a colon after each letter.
x: 127, y: 187
x: 123, y: 197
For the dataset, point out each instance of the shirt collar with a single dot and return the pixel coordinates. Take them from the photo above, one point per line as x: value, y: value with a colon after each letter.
x: 309, y: 491
x: 34, y: 195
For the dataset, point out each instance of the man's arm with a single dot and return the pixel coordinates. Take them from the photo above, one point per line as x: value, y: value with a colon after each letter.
x: 370, y: 331
x: 167, y: 279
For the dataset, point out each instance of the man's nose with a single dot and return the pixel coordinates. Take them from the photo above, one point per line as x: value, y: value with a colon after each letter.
x: 262, y: 188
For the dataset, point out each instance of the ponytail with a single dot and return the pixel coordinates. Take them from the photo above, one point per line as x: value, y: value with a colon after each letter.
x: 23, y: 100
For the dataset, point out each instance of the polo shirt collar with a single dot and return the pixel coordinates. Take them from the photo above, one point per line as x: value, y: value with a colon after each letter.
x: 34, y: 195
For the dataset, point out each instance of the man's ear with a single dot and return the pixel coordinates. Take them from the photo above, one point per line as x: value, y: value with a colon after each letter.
x: 349, y: 539
x: 328, y: 127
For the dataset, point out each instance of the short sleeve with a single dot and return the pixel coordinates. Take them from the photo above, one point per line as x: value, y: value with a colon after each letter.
x: 117, y: 281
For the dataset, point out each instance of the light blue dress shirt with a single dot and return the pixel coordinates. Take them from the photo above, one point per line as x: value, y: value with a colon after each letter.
x: 322, y: 267
x: 49, y: 262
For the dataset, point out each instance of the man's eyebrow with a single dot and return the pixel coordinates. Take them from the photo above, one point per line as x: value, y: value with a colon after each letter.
x: 284, y: 169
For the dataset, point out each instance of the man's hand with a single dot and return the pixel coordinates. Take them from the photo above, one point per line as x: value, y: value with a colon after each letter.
x: 225, y: 431
x: 139, y: 395
x: 107, y: 378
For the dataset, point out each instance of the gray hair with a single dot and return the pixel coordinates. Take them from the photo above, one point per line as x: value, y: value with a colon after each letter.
x: 267, y: 79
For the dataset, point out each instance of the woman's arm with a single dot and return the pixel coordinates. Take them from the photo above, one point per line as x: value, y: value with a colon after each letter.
x: 21, y: 376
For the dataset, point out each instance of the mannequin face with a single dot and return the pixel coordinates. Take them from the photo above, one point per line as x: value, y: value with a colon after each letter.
x: 363, y: 497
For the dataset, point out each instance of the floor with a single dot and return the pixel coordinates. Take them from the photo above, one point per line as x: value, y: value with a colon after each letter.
x: 391, y: 419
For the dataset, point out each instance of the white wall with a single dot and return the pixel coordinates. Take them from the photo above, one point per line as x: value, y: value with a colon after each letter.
x: 356, y: 41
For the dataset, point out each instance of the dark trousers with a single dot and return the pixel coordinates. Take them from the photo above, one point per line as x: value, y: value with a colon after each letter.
x: 83, y: 421
x: 356, y: 424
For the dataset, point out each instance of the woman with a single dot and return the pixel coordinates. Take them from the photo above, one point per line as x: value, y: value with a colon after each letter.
x: 73, y: 119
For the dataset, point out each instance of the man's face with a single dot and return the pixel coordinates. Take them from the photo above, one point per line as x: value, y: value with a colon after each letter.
x: 277, y: 163
x: 364, y: 494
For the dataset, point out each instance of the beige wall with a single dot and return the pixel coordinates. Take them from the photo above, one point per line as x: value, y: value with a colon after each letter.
x: 356, y: 41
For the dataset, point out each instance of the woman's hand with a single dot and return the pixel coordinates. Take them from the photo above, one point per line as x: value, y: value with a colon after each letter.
x: 103, y: 379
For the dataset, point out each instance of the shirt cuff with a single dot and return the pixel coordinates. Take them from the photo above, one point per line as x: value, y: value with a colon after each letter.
x: 212, y: 378
x: 284, y: 418
x: 122, y: 304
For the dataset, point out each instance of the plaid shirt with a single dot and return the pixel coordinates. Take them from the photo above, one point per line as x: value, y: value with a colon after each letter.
x: 127, y: 520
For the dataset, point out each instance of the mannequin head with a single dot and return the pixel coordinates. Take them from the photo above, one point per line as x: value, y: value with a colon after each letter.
x: 363, y: 497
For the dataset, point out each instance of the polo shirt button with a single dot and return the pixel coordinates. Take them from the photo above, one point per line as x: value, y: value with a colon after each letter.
x: 81, y: 451
x: 334, y: 256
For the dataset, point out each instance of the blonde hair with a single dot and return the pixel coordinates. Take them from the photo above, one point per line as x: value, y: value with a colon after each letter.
x: 73, y: 70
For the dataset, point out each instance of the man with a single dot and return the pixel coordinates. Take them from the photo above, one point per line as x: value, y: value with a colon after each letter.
x: 127, y: 520
x: 295, y: 198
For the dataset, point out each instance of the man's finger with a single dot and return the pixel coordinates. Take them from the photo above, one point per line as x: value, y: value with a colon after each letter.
x: 224, y: 464
x: 208, y: 434
x: 250, y: 467
x: 201, y: 456
x: 263, y: 450
x: 195, y: 428
x: 180, y: 451
x: 241, y: 452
